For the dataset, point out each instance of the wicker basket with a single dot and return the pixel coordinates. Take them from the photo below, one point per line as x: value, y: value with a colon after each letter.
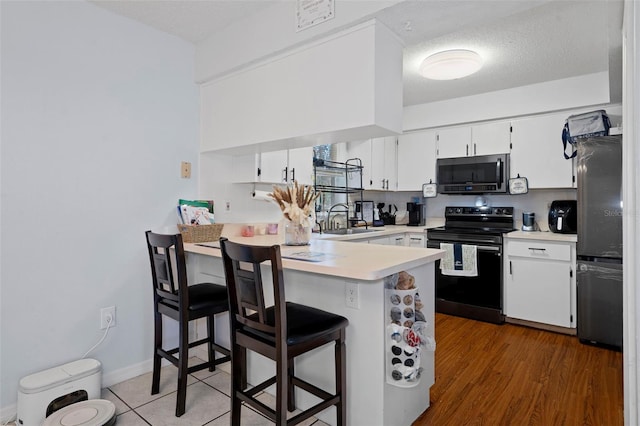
x: 200, y: 233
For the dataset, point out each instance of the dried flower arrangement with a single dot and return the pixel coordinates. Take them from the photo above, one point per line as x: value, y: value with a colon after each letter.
x: 295, y: 201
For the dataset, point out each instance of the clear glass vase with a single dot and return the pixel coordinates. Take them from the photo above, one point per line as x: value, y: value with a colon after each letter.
x: 297, y: 234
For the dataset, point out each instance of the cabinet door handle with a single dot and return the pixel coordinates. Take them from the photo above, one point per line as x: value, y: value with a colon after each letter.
x: 467, y: 154
x: 382, y: 183
x: 474, y: 148
x: 284, y: 174
x: 293, y: 173
x: 510, y: 268
x: 537, y: 248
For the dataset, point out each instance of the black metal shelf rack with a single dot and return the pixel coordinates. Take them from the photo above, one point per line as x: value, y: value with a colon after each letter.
x: 333, y: 177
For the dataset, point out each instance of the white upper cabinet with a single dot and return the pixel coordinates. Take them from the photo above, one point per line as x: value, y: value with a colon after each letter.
x: 383, y: 164
x: 273, y: 167
x: 245, y: 168
x: 300, y: 165
x: 282, y: 166
x: 416, y: 160
x: 362, y: 150
x: 453, y: 142
x: 481, y: 139
x: 491, y: 138
x: 537, y: 152
x: 378, y: 162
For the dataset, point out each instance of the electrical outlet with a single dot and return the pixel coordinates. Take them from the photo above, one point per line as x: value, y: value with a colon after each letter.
x: 227, y: 205
x: 185, y: 170
x: 104, y: 317
x: 352, y: 296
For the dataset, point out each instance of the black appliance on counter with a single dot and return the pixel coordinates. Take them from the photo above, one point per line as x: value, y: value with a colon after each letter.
x: 563, y: 216
x: 479, y: 297
x: 415, y: 214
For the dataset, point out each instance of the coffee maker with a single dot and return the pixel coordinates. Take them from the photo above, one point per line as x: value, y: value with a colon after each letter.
x: 415, y: 214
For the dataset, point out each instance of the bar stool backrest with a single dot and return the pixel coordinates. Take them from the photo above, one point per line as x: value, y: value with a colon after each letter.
x: 242, y: 265
x: 167, y: 289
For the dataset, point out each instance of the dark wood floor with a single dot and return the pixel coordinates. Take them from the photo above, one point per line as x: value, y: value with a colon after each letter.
x: 490, y: 374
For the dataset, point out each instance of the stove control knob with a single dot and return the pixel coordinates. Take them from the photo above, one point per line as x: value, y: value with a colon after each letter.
x: 458, y: 210
x: 499, y: 211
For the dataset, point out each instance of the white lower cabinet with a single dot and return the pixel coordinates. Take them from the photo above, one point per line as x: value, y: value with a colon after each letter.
x: 540, y: 282
x: 377, y: 240
x: 397, y: 240
x: 380, y: 240
x: 401, y: 239
x: 415, y: 240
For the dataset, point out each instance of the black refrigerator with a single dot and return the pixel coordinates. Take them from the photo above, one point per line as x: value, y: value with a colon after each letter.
x: 599, y: 247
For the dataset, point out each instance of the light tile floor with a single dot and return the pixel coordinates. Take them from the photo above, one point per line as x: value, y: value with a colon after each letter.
x: 208, y: 401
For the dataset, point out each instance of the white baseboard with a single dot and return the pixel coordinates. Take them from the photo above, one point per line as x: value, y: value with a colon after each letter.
x: 9, y: 413
x: 144, y: 367
x: 126, y: 373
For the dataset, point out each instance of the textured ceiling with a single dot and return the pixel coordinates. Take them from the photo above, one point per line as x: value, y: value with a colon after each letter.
x: 549, y: 42
x: 522, y: 42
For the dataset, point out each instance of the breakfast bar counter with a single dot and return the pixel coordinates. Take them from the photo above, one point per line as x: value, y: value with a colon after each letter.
x: 386, y: 293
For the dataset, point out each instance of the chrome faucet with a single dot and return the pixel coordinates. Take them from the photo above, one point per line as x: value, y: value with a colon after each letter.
x: 345, y: 206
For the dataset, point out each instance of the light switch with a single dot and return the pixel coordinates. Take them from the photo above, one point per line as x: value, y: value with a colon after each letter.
x: 185, y: 170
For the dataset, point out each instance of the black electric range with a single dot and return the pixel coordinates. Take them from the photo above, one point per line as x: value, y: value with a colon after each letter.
x: 479, y: 296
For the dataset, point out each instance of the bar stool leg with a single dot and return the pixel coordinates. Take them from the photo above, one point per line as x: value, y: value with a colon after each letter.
x: 242, y: 360
x: 238, y: 381
x: 211, y: 333
x: 155, y: 382
x: 282, y: 393
x: 341, y: 378
x: 182, y: 367
x: 291, y: 397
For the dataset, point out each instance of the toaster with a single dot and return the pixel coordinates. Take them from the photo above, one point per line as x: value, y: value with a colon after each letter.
x: 563, y: 217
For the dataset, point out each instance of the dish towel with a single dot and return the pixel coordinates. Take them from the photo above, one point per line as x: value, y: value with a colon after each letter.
x: 459, y: 259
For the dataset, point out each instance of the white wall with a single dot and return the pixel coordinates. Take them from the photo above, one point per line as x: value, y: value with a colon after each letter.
x: 574, y: 92
x: 537, y: 201
x: 631, y: 218
x: 97, y: 113
x: 215, y: 172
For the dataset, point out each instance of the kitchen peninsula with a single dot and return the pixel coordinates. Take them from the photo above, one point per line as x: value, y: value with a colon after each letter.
x: 353, y: 280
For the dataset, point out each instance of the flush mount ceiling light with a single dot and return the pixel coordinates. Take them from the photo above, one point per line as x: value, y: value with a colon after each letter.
x: 450, y: 64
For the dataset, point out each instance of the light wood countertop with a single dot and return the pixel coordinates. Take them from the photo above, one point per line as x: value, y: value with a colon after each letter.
x: 342, y: 259
x: 542, y: 235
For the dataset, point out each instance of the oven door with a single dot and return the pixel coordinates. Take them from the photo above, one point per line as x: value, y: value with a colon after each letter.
x: 478, y: 297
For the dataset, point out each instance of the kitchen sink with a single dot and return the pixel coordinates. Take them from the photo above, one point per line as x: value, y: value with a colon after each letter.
x: 349, y: 231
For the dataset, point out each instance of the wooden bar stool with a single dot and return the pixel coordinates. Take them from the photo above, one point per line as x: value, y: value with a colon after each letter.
x: 183, y: 303
x: 279, y: 332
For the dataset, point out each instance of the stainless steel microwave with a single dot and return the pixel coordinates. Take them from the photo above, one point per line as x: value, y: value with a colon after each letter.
x: 482, y: 174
